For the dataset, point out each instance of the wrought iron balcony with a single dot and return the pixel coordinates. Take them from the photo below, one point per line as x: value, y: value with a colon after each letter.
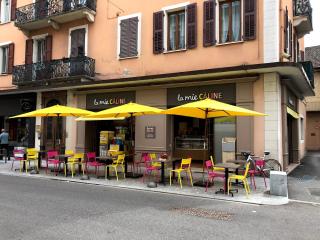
x: 44, y: 13
x: 308, y: 68
x: 61, y: 70
x: 302, y: 17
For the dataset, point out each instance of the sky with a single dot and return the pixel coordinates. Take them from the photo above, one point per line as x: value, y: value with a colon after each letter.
x: 313, y: 39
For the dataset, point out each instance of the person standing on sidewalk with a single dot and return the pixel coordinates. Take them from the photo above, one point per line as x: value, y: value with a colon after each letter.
x: 4, y: 142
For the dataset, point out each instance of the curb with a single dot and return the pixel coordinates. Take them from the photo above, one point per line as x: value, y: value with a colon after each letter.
x: 153, y: 190
x: 304, y: 202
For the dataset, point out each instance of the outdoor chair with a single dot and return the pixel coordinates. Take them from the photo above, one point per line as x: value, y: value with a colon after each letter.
x: 92, y: 162
x: 32, y: 156
x: 119, y: 162
x: 258, y: 166
x: 18, y: 156
x: 149, y: 168
x: 76, y: 159
x: 215, y: 168
x: 242, y: 178
x: 52, y: 159
x: 212, y: 174
x: 140, y: 162
x: 185, y: 167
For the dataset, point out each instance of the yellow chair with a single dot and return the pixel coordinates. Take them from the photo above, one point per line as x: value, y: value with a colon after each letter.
x: 242, y: 178
x: 215, y: 168
x: 185, y: 167
x: 119, y: 162
x: 153, y: 156
x: 32, y: 156
x: 67, y: 152
x: 76, y: 159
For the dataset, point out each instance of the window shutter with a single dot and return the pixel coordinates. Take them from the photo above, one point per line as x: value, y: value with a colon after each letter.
x: 209, y: 32
x: 158, y: 32
x: 250, y: 19
x: 129, y: 37
x: 192, y: 26
x: 11, y: 58
x: 13, y: 9
x: 285, y: 36
x: 290, y: 40
x: 48, y: 54
x: 29, y: 51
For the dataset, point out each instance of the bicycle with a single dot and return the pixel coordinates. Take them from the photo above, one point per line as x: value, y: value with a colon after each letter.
x: 269, y: 164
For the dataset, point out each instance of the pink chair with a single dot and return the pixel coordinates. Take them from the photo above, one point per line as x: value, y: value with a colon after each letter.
x: 212, y: 174
x: 138, y: 163
x: 258, y: 166
x: 52, y: 159
x: 92, y: 162
x: 19, y: 156
x: 149, y: 168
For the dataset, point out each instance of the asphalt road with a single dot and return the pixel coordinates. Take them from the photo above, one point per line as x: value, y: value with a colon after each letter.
x: 46, y: 209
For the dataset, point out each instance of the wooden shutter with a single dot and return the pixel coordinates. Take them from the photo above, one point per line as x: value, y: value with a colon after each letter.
x: 285, y: 36
x: 29, y: 51
x: 129, y: 37
x: 209, y: 32
x: 192, y: 26
x: 250, y: 19
x: 48, y: 53
x: 11, y: 58
x: 290, y: 40
x: 158, y: 32
x: 13, y: 9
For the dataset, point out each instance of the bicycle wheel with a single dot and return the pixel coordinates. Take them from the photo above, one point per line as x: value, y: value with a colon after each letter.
x: 271, y: 165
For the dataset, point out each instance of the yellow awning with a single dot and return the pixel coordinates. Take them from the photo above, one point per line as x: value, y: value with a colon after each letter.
x: 292, y: 113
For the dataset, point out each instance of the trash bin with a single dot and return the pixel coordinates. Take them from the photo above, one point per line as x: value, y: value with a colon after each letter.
x: 278, y: 183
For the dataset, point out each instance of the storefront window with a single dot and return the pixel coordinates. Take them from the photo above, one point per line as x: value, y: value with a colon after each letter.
x: 223, y: 128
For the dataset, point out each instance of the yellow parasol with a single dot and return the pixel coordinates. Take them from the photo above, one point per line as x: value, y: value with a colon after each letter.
x: 55, y: 111
x: 209, y: 108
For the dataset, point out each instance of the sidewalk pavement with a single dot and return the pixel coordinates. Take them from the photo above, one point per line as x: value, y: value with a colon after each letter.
x: 259, y: 196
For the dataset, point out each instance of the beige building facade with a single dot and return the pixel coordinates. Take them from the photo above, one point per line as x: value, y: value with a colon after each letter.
x: 96, y: 54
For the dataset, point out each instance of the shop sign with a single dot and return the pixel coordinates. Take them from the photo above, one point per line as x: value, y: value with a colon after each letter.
x: 98, y: 101
x: 291, y: 100
x: 223, y: 93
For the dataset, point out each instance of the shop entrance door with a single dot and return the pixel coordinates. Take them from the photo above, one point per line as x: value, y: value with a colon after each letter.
x: 290, y: 138
x: 54, y: 127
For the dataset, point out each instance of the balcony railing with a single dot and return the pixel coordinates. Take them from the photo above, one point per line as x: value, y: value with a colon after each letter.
x: 302, y: 21
x: 308, y: 68
x: 302, y: 8
x: 43, y: 9
x: 55, y: 70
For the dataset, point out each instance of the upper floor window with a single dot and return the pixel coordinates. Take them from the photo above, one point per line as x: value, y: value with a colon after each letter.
x: 4, y: 52
x: 230, y: 21
x: 177, y: 30
x: 6, y: 58
x: 129, y: 32
x: 5, y: 9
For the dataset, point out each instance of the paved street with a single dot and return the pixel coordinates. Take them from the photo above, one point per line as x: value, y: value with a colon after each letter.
x: 46, y: 209
x: 304, y: 181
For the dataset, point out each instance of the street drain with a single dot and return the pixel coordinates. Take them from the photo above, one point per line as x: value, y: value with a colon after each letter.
x: 205, y: 213
x: 314, y: 191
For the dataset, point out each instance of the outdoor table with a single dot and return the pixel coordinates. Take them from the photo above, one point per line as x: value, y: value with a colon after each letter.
x: 163, y: 162
x: 40, y: 153
x: 226, y: 167
x: 63, y: 158
x: 107, y: 160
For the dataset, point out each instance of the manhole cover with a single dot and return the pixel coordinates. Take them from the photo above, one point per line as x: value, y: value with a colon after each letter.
x: 314, y: 191
x: 205, y: 213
